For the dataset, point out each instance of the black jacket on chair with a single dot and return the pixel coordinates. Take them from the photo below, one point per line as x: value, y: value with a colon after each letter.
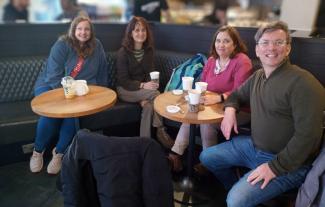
x: 115, y: 172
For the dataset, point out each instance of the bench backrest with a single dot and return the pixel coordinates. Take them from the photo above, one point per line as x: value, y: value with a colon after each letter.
x: 18, y: 74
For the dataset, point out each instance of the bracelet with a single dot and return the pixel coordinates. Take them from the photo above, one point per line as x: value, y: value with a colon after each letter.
x: 222, y: 98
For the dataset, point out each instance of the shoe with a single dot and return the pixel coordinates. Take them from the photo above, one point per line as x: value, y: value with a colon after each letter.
x: 200, y: 169
x: 36, y: 162
x: 55, y: 164
x: 175, y: 162
x: 164, y: 138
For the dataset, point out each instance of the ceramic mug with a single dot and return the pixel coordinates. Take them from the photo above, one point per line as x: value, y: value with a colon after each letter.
x: 80, y: 87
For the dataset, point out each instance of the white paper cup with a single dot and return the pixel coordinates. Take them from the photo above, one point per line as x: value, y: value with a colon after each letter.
x: 187, y: 83
x: 154, y: 76
x: 194, y: 97
x: 201, y: 86
x: 194, y: 101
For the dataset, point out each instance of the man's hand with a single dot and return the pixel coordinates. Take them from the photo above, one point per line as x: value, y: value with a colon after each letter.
x: 229, y: 122
x: 262, y: 172
x: 151, y: 85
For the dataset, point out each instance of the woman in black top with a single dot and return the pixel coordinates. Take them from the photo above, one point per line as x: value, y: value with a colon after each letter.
x: 135, y: 60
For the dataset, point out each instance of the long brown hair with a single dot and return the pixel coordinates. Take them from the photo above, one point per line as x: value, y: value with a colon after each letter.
x: 235, y: 37
x: 128, y: 41
x: 88, y: 47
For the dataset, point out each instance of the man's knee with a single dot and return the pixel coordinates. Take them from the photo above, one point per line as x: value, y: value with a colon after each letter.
x: 206, y: 157
x: 236, y: 199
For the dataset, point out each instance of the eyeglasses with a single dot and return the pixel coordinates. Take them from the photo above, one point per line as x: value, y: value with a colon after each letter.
x: 277, y: 43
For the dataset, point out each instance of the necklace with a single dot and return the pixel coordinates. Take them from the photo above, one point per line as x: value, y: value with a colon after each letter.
x: 219, y: 67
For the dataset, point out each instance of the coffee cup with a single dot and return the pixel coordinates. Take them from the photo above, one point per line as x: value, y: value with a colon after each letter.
x: 187, y: 83
x: 154, y: 76
x: 81, y: 87
x: 201, y: 86
x: 194, y: 100
x: 68, y: 86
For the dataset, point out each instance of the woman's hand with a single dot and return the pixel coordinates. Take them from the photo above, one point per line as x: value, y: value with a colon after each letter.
x: 150, y: 85
x: 210, y: 99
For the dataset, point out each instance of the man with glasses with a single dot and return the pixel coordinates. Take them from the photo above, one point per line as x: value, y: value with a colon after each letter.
x: 287, y: 104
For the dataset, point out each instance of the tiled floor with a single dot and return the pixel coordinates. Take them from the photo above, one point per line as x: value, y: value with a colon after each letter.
x: 19, y: 187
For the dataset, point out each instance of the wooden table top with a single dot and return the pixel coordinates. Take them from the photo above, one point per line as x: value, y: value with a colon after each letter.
x: 207, y: 114
x: 53, y: 103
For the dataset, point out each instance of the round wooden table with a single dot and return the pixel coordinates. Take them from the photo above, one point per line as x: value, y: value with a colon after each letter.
x: 53, y: 103
x: 207, y: 114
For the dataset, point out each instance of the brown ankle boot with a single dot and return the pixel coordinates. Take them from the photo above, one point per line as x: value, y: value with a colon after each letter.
x: 164, y: 138
x: 175, y: 162
x: 200, y: 169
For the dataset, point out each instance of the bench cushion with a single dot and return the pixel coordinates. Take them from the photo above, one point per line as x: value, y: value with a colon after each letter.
x: 17, y: 122
x: 121, y: 113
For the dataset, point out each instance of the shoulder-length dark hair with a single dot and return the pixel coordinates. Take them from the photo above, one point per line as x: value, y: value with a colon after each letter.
x: 240, y: 47
x: 88, y: 47
x: 128, y: 41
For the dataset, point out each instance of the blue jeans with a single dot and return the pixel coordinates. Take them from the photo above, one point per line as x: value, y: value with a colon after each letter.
x: 50, y: 128
x: 240, y: 151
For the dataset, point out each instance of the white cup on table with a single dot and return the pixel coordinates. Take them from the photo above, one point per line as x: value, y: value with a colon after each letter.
x: 68, y: 87
x: 187, y: 83
x: 194, y: 100
x: 80, y: 87
x: 201, y: 86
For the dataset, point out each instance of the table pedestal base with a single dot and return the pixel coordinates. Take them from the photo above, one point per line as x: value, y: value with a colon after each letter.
x: 188, y: 196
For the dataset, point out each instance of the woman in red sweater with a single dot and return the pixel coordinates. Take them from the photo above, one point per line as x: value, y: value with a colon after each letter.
x: 227, y: 68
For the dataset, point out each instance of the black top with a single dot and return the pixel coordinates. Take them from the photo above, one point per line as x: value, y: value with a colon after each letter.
x: 130, y: 72
x: 11, y: 14
x: 149, y: 9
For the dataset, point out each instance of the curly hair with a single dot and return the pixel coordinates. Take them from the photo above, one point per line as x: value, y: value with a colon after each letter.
x: 86, y: 49
x: 128, y: 41
x: 240, y: 47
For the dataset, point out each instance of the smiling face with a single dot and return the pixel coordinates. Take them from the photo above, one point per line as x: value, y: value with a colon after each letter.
x: 224, y: 45
x: 139, y: 34
x: 83, y: 32
x: 272, y: 49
